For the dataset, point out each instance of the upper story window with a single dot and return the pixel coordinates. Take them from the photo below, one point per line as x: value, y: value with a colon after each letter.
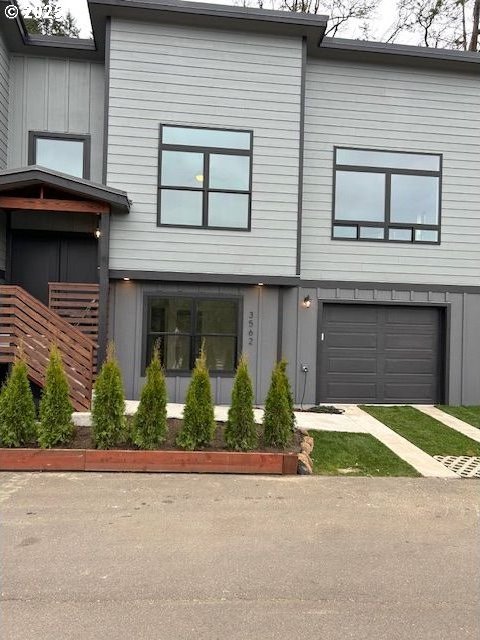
x: 386, y: 196
x: 181, y: 325
x: 62, y: 152
x: 205, y: 178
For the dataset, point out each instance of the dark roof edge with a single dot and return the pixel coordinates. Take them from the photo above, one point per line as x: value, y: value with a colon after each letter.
x: 213, y: 16
x: 19, y: 41
x: 24, y: 176
x: 220, y: 10
x: 402, y: 54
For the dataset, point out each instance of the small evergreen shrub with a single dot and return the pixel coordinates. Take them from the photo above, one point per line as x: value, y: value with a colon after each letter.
x: 17, y: 408
x: 199, y: 425
x: 240, y: 431
x: 108, y: 411
x: 150, y: 421
x: 277, y: 419
x: 286, y: 382
x: 56, y: 426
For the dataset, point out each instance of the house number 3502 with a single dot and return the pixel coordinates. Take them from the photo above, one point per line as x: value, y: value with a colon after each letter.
x: 251, y: 328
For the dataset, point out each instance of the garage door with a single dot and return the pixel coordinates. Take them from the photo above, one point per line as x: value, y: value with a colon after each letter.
x: 387, y: 354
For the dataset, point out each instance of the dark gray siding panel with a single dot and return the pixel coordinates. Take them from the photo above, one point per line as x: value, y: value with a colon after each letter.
x: 2, y: 240
x: 258, y: 336
x: 377, y: 353
x: 470, y: 371
x: 462, y: 347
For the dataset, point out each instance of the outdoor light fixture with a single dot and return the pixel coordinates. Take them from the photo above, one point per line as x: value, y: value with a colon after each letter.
x: 307, y: 302
x: 260, y: 284
x: 127, y: 279
x: 98, y: 233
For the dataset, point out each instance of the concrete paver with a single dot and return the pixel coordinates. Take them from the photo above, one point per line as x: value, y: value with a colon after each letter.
x: 110, y: 556
x: 450, y: 421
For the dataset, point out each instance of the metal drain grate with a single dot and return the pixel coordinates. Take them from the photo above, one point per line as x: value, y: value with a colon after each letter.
x: 465, y: 466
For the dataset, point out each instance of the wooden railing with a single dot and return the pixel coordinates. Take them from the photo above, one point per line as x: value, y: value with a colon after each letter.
x: 78, y: 304
x: 28, y: 325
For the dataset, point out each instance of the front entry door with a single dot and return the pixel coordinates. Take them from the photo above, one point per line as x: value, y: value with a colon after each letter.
x: 39, y: 259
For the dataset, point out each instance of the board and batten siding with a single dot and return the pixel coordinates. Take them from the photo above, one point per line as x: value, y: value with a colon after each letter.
x: 257, y: 336
x: 59, y: 96
x: 209, y: 78
x: 392, y: 108
x: 2, y: 242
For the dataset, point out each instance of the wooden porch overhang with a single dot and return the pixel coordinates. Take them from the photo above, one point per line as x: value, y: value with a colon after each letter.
x: 37, y: 189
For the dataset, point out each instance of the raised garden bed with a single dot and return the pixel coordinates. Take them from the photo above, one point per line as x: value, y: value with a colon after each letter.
x: 81, y: 456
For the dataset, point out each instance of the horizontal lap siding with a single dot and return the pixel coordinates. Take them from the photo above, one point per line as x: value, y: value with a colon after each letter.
x: 397, y: 109
x: 4, y: 90
x: 166, y: 74
x: 59, y: 96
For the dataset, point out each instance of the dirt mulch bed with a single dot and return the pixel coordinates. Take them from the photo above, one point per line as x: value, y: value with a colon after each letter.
x: 83, y: 440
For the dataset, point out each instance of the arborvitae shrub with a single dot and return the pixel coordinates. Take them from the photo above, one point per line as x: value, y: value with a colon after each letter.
x: 17, y: 408
x: 150, y: 422
x: 286, y: 382
x: 277, y: 419
x: 199, y: 425
x: 108, y: 412
x: 240, y: 431
x: 56, y: 426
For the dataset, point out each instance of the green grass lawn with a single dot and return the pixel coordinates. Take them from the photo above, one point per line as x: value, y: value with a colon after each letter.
x: 467, y: 414
x: 428, y: 434
x: 355, y: 454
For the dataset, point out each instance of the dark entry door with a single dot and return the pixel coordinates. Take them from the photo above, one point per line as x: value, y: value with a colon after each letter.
x: 381, y: 354
x: 40, y: 259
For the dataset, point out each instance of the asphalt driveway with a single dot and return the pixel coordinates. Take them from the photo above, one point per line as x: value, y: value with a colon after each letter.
x: 163, y: 557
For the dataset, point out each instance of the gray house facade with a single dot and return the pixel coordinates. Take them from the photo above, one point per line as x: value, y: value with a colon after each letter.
x: 247, y: 183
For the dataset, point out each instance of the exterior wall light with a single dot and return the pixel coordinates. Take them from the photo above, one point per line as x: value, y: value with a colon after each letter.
x: 307, y: 302
x: 97, y: 233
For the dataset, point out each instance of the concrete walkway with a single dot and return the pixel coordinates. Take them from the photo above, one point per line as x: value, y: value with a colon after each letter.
x: 450, y: 421
x: 353, y: 420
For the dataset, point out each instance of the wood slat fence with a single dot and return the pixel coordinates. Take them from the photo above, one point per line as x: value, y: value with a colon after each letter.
x: 78, y: 304
x: 27, y: 324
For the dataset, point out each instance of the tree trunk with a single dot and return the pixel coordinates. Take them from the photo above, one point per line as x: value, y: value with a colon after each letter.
x: 476, y: 18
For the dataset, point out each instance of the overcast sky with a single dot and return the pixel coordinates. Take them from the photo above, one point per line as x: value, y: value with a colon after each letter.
x: 385, y: 15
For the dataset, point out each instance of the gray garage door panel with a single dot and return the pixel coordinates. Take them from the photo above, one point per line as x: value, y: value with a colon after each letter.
x: 375, y: 353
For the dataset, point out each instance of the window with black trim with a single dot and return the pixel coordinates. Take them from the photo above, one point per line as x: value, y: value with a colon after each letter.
x: 205, y: 178
x: 386, y: 196
x: 67, y: 153
x: 180, y: 325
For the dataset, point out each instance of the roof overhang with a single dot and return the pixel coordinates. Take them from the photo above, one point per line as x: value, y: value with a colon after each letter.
x: 79, y: 189
x: 19, y: 41
x: 216, y: 16
x: 283, y: 23
x: 398, y: 54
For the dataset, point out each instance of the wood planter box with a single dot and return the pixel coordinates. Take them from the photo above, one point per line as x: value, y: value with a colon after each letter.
x: 150, y: 461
